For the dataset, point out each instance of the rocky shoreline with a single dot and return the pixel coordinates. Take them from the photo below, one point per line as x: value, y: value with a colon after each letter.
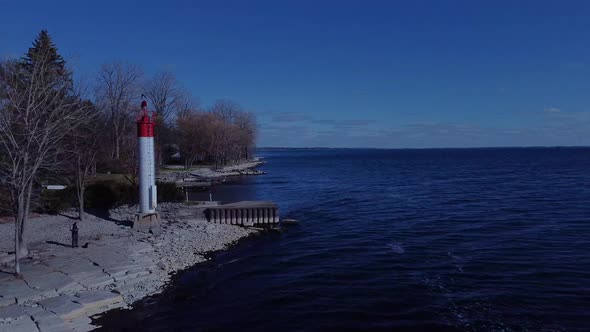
x: 181, y: 175
x: 63, y: 287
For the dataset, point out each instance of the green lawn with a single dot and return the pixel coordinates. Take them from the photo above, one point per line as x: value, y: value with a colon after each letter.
x: 121, y: 178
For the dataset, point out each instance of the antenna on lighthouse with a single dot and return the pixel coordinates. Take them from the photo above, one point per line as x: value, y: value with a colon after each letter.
x: 147, y: 219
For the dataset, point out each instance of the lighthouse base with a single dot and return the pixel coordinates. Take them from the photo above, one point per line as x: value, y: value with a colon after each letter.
x: 147, y: 222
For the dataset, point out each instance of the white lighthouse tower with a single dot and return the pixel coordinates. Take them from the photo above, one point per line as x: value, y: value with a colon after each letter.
x: 147, y: 218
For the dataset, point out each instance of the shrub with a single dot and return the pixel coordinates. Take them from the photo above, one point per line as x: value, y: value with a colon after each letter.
x: 109, y: 194
x: 112, y: 166
x: 169, y: 192
x: 56, y: 201
x: 99, y: 195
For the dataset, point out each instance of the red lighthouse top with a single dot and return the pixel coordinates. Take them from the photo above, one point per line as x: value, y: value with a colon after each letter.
x: 145, y: 122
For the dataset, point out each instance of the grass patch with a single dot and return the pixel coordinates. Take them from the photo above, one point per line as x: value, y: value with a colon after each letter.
x: 119, y: 178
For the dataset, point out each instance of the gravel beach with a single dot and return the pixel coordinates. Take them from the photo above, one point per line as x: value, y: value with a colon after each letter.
x: 114, y: 267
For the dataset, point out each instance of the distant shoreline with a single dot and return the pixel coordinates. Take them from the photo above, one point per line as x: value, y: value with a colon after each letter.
x: 430, y: 148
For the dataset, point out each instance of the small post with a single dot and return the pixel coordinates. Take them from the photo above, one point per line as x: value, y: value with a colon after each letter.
x: 74, y: 230
x: 210, y: 196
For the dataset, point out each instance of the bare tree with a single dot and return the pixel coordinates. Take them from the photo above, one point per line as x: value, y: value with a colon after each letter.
x: 164, y: 94
x: 223, y: 138
x: 117, y: 93
x: 234, y: 132
x: 185, y: 103
x: 83, y: 147
x: 246, y: 125
x: 38, y: 108
x: 194, y: 135
x: 167, y: 99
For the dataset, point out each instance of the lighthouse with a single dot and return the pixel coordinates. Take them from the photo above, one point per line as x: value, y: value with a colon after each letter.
x: 146, y: 219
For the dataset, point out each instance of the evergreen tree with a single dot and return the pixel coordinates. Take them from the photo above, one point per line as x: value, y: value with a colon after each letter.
x: 43, y: 61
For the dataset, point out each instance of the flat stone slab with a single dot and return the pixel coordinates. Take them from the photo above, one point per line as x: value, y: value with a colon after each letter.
x: 94, y: 280
x: 21, y: 324
x: 5, y: 301
x: 63, y: 306
x: 52, y: 324
x: 98, y: 298
x: 46, y: 320
x: 110, y: 260
x: 6, y: 276
x: 88, y: 275
x: 94, y: 300
x: 17, y: 291
x: 56, y: 281
x: 34, y: 270
x: 81, y: 324
x: 12, y: 312
x: 120, y: 273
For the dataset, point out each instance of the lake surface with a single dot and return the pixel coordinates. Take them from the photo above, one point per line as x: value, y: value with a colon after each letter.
x: 404, y: 240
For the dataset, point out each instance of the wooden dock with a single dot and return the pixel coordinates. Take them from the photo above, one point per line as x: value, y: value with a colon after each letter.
x: 246, y: 213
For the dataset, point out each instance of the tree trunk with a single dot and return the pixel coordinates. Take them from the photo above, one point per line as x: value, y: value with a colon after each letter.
x: 117, y: 148
x: 16, y: 247
x: 23, y: 220
x: 80, y: 188
x: 116, y: 139
x: 81, y: 204
x: 20, y: 212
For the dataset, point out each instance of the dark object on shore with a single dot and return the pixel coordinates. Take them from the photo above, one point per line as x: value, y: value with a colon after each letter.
x: 147, y: 222
x: 289, y: 222
x: 85, y: 245
x: 74, y: 230
x: 246, y: 213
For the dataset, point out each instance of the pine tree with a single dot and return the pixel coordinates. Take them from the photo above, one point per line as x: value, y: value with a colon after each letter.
x: 44, y: 61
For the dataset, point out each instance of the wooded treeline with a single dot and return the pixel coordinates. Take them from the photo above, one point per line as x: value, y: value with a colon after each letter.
x: 185, y: 132
x: 54, y: 130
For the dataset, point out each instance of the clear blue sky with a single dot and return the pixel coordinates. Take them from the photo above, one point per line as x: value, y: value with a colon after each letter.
x: 348, y: 73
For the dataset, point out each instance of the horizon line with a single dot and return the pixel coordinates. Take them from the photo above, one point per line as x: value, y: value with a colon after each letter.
x: 427, y: 148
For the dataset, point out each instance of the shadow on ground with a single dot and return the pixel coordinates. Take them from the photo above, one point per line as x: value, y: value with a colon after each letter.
x: 104, y: 214
x: 58, y: 243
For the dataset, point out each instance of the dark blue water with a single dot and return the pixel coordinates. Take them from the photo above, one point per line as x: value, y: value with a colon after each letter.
x: 404, y: 240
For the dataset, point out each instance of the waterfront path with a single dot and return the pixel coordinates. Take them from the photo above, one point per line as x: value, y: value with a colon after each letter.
x: 61, y: 287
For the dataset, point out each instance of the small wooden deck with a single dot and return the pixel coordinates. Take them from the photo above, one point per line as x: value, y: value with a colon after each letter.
x: 246, y: 213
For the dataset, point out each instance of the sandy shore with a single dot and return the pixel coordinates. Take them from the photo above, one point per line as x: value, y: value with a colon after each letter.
x: 62, y: 287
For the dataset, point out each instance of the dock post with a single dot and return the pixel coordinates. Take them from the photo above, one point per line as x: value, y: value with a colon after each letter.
x: 249, y: 216
x: 239, y: 216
